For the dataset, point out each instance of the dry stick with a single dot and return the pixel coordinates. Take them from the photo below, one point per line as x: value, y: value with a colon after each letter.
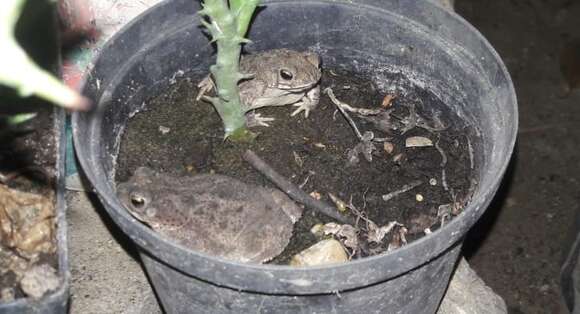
x: 340, y: 105
x: 471, y: 163
x: 345, y: 106
x: 442, y: 164
x: 444, y: 179
x: 292, y: 190
x: 402, y: 190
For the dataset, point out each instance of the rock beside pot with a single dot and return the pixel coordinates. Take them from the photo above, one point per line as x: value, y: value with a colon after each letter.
x: 325, y: 252
x: 467, y: 293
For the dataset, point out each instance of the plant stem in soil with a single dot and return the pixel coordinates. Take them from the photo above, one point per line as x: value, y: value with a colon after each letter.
x: 228, y: 26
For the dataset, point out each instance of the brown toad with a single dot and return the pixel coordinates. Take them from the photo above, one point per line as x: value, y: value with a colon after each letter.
x: 213, y: 214
x: 278, y: 77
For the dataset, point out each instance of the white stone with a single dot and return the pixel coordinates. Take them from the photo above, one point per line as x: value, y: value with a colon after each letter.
x: 325, y: 252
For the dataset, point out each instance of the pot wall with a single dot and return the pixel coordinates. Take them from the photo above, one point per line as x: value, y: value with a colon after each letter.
x: 418, y: 291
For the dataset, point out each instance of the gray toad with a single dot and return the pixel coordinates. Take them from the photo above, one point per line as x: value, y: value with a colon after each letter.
x: 279, y: 77
x: 213, y: 214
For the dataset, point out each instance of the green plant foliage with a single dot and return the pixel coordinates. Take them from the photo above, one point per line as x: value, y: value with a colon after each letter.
x: 18, y: 71
x: 228, y: 22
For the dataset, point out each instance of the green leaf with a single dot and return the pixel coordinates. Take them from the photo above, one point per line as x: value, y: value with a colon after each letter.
x: 18, y: 71
x: 19, y: 118
x: 245, y: 12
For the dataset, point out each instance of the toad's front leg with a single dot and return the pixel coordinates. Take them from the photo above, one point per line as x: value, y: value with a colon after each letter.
x: 254, y: 119
x: 308, y: 102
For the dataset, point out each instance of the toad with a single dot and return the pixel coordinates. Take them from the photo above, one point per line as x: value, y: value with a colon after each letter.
x: 277, y: 77
x: 213, y: 214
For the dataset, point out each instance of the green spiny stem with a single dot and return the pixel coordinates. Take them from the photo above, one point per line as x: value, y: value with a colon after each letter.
x: 244, y: 10
x: 224, y: 27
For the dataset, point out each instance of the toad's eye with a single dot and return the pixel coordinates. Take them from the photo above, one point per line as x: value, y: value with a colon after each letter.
x: 286, y: 75
x: 138, y: 200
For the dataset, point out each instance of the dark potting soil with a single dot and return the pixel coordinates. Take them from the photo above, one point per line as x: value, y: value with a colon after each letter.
x: 176, y: 135
x: 28, y: 161
x: 28, y: 154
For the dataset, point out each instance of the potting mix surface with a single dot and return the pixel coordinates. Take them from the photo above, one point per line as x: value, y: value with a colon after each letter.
x: 420, y: 172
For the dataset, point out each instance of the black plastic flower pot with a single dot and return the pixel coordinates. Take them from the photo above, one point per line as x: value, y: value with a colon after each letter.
x: 427, y: 44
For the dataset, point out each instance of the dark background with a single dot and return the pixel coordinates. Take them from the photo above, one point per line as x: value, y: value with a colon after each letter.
x: 518, y: 247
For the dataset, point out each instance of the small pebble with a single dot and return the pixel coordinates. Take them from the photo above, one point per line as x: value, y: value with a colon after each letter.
x: 164, y: 130
x: 388, y: 147
x: 341, y: 206
x: 317, y: 229
x: 7, y: 295
x: 38, y: 280
x: 544, y: 288
x: 315, y: 195
x: 397, y: 158
x: 325, y: 252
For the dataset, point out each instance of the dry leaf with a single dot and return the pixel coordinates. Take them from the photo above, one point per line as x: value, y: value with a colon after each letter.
x: 315, y: 195
x: 26, y: 222
x: 325, y: 252
x: 377, y: 234
x: 418, y: 141
x: 388, y: 147
x: 346, y: 233
x: 388, y: 100
x: 398, y: 239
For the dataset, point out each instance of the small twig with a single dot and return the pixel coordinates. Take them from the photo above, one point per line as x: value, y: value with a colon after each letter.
x: 303, y: 184
x: 381, y: 139
x: 364, y: 196
x: 292, y: 190
x: 361, y: 111
x: 438, y: 125
x: 443, y: 155
x: 442, y: 164
x: 470, y: 149
x: 411, y: 121
x: 340, y: 105
x: 359, y: 214
x: 402, y: 190
x: 345, y: 106
x: 444, y: 179
x: 444, y: 212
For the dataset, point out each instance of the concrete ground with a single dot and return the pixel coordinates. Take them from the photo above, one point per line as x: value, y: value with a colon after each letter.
x: 517, y: 247
x: 106, y: 274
